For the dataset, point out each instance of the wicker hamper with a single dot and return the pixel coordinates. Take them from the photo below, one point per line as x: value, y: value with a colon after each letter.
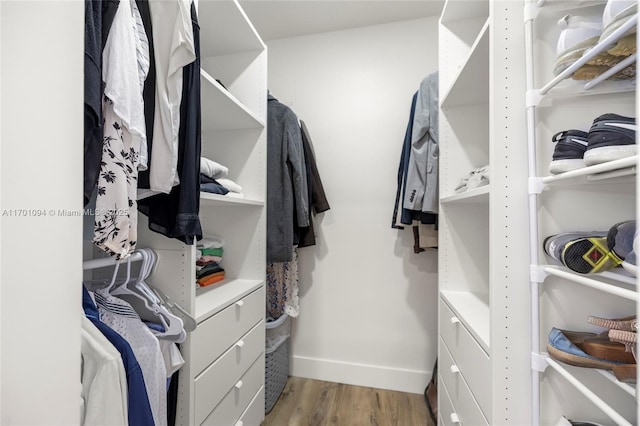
x: 276, y: 369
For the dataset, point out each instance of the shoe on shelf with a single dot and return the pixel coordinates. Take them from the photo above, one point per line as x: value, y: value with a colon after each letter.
x: 629, y: 323
x: 578, y: 35
x: 630, y: 263
x: 569, y: 151
x: 582, y: 252
x: 562, y: 349
x: 616, y: 13
x: 611, y: 137
x: 600, y: 346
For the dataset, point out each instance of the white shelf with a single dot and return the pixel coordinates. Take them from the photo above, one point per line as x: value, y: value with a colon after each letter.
x: 210, y: 199
x: 222, y: 111
x: 587, y: 392
x: 592, y: 281
x: 625, y: 166
x: 469, y: 85
x: 227, y: 29
x: 454, y: 11
x: 213, y: 298
x: 474, y: 312
x: 472, y: 196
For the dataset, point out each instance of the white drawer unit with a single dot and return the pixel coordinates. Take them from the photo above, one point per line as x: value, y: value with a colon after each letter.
x: 216, y: 334
x: 471, y: 361
x: 446, y: 413
x: 466, y: 406
x: 226, y: 372
x: 231, y: 407
x: 254, y: 414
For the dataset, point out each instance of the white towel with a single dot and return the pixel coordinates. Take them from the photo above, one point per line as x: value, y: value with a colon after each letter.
x: 230, y: 185
x: 212, y: 169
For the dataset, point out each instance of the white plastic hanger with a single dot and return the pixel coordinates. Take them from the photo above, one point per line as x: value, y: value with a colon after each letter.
x: 145, y: 302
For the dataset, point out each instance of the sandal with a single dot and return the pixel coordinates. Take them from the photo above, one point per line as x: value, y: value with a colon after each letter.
x: 600, y: 346
x: 562, y: 349
x: 629, y: 323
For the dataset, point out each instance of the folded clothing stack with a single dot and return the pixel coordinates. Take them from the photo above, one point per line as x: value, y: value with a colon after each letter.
x: 209, y: 255
x: 213, y: 179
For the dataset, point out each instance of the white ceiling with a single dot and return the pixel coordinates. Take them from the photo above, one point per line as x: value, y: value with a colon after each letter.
x: 289, y: 18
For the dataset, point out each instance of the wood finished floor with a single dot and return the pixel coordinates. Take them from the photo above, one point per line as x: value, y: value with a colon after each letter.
x: 306, y: 402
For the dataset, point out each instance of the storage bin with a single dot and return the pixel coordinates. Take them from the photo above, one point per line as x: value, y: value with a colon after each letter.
x: 276, y: 369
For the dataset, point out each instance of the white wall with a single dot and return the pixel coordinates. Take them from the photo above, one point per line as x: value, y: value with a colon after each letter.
x: 368, y: 303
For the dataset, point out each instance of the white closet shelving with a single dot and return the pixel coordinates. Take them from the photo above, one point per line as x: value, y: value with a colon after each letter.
x: 483, y: 325
x: 223, y: 379
x: 592, y: 198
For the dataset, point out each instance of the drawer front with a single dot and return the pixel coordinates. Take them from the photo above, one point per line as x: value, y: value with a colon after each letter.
x: 254, y: 414
x: 216, y: 334
x: 216, y: 381
x: 470, y: 358
x: 231, y: 407
x: 461, y: 408
x: 445, y: 406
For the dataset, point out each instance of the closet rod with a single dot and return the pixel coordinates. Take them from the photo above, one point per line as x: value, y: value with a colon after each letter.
x: 109, y: 261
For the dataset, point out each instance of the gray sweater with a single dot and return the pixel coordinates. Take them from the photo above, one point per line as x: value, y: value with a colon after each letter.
x: 286, y: 180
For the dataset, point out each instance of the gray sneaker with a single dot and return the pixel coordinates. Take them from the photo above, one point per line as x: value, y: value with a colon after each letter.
x: 582, y: 252
x: 620, y: 241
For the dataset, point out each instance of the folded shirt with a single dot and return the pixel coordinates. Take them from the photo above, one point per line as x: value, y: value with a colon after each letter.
x: 212, y: 169
x: 230, y: 185
x: 204, y: 260
x: 210, y: 279
x: 210, y: 241
x: 212, y: 251
x: 208, y: 270
x: 213, y: 188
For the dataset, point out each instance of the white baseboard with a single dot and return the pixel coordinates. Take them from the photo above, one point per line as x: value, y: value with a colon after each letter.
x: 375, y: 376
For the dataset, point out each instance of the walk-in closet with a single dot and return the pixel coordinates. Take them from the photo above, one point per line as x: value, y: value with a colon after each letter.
x: 318, y: 212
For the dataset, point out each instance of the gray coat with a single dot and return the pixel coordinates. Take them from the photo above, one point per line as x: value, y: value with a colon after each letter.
x: 287, y: 192
x: 422, y: 177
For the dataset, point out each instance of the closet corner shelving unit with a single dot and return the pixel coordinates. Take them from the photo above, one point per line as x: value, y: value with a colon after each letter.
x: 591, y: 198
x: 222, y: 381
x: 484, y: 320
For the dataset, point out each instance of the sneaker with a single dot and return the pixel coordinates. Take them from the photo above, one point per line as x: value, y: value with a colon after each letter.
x: 616, y: 13
x: 622, y: 241
x: 611, y: 137
x: 569, y: 150
x: 579, y: 34
x: 582, y: 252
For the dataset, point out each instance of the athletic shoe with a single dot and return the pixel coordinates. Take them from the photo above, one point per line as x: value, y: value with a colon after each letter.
x: 611, y: 137
x: 582, y: 252
x: 616, y: 13
x: 579, y: 34
x: 569, y: 150
x: 622, y: 241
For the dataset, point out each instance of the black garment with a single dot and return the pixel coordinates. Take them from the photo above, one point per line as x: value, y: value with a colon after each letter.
x: 175, y: 215
x: 98, y: 17
x: 149, y: 91
x: 213, y: 188
x: 317, y: 198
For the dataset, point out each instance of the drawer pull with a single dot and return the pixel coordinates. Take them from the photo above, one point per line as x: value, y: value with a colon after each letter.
x: 240, y: 303
x: 455, y: 320
x: 239, y: 384
x: 455, y: 418
x: 239, y: 343
x: 454, y: 369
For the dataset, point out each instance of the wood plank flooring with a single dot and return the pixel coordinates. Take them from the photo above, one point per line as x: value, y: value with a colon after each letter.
x: 306, y: 402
